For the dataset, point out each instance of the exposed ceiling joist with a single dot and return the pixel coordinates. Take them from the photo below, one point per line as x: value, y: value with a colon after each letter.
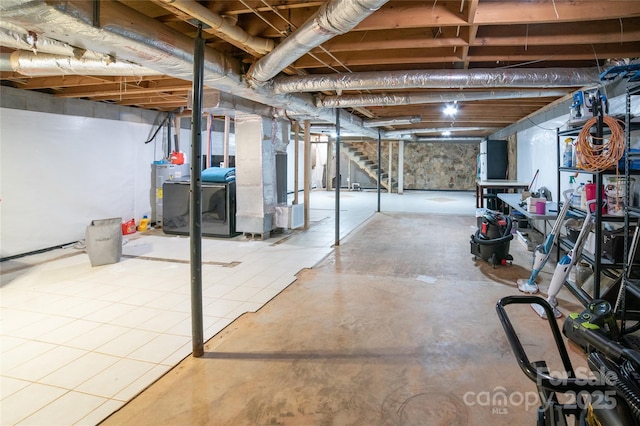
x: 400, y: 37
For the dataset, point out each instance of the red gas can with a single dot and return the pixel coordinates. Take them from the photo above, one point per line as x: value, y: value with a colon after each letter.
x: 177, y: 157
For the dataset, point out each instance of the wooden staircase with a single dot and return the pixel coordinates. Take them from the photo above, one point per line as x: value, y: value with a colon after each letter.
x: 367, y: 159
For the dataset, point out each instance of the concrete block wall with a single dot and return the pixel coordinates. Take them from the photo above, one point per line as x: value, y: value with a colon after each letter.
x: 29, y: 100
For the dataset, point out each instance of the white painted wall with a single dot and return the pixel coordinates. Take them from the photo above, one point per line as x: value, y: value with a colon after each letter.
x: 59, y: 172
x: 318, y: 153
x: 537, y: 150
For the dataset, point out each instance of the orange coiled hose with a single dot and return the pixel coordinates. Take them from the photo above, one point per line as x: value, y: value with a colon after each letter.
x: 596, y: 155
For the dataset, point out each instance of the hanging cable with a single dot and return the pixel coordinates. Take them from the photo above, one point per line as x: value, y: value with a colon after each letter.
x: 157, y: 130
x: 164, y: 121
x: 596, y: 155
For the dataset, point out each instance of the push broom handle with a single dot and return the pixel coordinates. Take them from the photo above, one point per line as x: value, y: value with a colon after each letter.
x: 533, y: 180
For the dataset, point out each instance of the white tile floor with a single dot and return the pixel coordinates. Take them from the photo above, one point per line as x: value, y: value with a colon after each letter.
x: 77, y: 342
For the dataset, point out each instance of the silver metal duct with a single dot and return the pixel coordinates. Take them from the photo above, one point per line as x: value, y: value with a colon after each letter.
x: 405, y: 132
x: 223, y: 27
x: 460, y: 139
x: 350, y: 101
x: 221, y: 103
x: 129, y: 35
x: 43, y: 64
x: 392, y: 121
x: 21, y: 39
x: 125, y: 34
x: 331, y: 131
x: 439, y: 79
x: 333, y: 18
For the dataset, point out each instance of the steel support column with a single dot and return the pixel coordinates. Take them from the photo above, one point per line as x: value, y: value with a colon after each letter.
x: 337, y: 239
x: 227, y: 129
x: 207, y: 161
x: 195, y: 209
x: 296, y: 159
x: 401, y: 167
x: 390, y: 190
x: 379, y: 165
x: 307, y: 171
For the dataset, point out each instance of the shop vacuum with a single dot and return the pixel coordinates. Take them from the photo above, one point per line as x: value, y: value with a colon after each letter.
x: 492, y: 239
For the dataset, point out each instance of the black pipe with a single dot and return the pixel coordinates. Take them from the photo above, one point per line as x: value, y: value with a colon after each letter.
x: 597, y: 140
x: 337, y: 237
x: 195, y: 209
x: 379, y: 165
x: 95, y: 17
x: 157, y: 130
x: 169, y: 117
x: 176, y: 143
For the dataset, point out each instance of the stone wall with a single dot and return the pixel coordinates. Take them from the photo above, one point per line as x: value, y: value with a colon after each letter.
x: 427, y: 166
x: 440, y: 166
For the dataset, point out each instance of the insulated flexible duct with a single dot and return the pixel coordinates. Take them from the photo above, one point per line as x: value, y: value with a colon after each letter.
x: 21, y: 39
x: 392, y: 121
x: 365, y: 100
x: 404, y: 132
x: 129, y: 35
x: 333, y: 18
x: 224, y: 27
x: 43, y: 64
x: 439, y: 79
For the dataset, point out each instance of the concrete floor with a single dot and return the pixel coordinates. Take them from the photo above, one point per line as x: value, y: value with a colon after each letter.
x: 396, y: 326
x: 78, y: 342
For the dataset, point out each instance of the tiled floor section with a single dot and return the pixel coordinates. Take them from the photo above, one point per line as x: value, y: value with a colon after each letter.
x: 78, y: 342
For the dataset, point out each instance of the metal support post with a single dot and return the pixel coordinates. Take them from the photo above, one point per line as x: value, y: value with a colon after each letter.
x: 401, y: 167
x: 296, y: 159
x: 337, y: 239
x: 195, y: 209
x: 390, y: 167
x: 307, y: 171
x: 227, y: 129
x: 379, y: 164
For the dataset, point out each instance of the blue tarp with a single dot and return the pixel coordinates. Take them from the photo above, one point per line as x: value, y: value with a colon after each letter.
x: 219, y: 174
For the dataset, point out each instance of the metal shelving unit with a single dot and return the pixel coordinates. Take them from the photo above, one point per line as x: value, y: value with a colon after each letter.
x: 596, y: 260
x: 614, y: 271
x: 629, y: 285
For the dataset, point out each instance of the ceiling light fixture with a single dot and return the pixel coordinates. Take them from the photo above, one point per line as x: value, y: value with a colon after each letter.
x: 380, y: 122
x: 450, y: 110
